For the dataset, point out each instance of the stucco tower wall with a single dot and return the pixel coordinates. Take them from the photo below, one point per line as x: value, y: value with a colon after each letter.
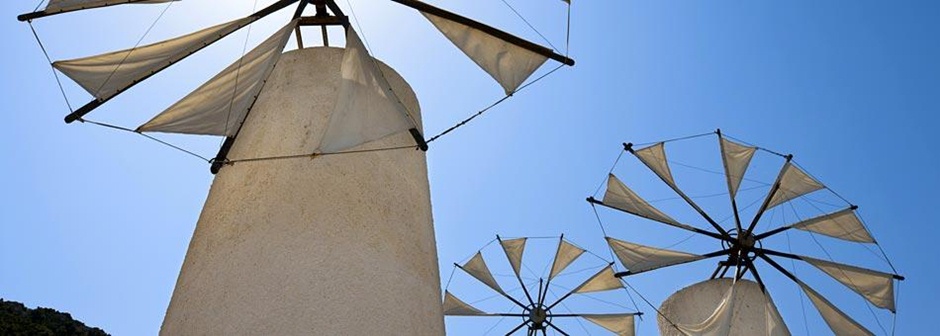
x: 336, y: 245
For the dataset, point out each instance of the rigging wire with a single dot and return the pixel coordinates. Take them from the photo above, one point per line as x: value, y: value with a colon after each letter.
x: 658, y: 312
x: 238, y: 72
x: 799, y: 292
x: 676, y: 139
x: 125, y: 129
x: 314, y: 155
x: 530, y: 25
x: 611, y: 171
x: 51, y: 67
x: 499, y: 101
x: 571, y: 311
x: 611, y: 251
x: 131, y: 51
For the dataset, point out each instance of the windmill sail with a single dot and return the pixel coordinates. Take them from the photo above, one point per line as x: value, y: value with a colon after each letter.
x: 843, y: 224
x: 876, y: 287
x: 839, y: 322
x: 735, y: 157
x: 602, y: 281
x: 455, y: 307
x: 514, y: 249
x: 654, y: 157
x: 565, y: 255
x: 366, y: 108
x: 619, y: 324
x: 106, y: 75
x: 620, y: 197
x: 62, y: 6
x: 794, y: 182
x: 219, y: 106
x: 639, y: 258
x: 507, y: 63
x: 477, y: 268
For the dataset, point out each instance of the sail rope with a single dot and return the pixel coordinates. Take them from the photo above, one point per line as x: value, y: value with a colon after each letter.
x: 611, y: 251
x: 125, y: 129
x: 658, y: 312
x: 494, y: 104
x: 799, y: 292
x: 238, y: 72
x: 513, y: 9
x: 49, y: 59
x: 141, y: 39
x: 564, y: 305
x: 610, y: 171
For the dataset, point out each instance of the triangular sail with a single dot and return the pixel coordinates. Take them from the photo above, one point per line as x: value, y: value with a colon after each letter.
x: 839, y: 322
x: 876, y: 287
x: 619, y: 324
x: 106, y: 75
x: 507, y: 63
x: 639, y: 258
x: 602, y: 281
x: 735, y: 157
x: 564, y: 256
x: 220, y: 106
x: 654, y: 157
x: 477, y: 268
x: 620, y: 197
x: 60, y: 6
x: 843, y: 224
x: 773, y: 320
x: 514, y: 249
x: 366, y: 107
x: 456, y: 307
x: 794, y: 182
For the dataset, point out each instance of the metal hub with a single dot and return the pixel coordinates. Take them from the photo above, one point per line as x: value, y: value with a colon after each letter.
x: 538, y: 316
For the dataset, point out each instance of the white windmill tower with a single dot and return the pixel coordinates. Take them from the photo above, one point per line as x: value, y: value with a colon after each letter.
x: 319, y: 190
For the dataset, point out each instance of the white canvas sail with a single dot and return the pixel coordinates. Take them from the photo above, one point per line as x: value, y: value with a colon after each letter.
x: 639, y: 258
x: 620, y: 197
x: 219, y: 106
x: 619, y: 324
x: 843, y: 224
x: 106, y: 75
x: 876, y: 287
x: 735, y: 157
x: 456, y: 307
x: 514, y: 249
x: 602, y: 281
x: 477, y: 268
x: 839, y: 322
x: 366, y: 109
x: 794, y: 182
x: 59, y: 6
x: 509, y: 64
x: 564, y: 256
x: 654, y: 157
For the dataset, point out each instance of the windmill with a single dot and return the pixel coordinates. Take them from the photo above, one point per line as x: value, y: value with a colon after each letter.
x: 742, y: 245
x: 538, y: 313
x: 318, y: 189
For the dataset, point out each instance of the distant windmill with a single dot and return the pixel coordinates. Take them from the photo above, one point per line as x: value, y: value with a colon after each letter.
x: 709, y: 308
x: 537, y: 312
x: 285, y: 244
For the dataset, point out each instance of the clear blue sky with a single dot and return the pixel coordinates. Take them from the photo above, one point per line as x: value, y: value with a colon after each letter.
x: 96, y: 222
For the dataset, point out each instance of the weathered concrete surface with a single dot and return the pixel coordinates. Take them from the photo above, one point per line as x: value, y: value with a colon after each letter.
x: 694, y: 304
x: 336, y: 245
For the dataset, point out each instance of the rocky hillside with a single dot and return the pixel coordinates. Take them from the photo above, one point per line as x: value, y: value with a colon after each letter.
x: 16, y: 319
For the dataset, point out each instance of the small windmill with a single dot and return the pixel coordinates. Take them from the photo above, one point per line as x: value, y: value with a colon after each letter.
x: 742, y: 245
x: 534, y: 309
x: 322, y: 190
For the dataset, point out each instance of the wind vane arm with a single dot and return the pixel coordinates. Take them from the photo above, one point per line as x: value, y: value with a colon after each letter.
x: 94, y: 104
x: 522, y: 43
